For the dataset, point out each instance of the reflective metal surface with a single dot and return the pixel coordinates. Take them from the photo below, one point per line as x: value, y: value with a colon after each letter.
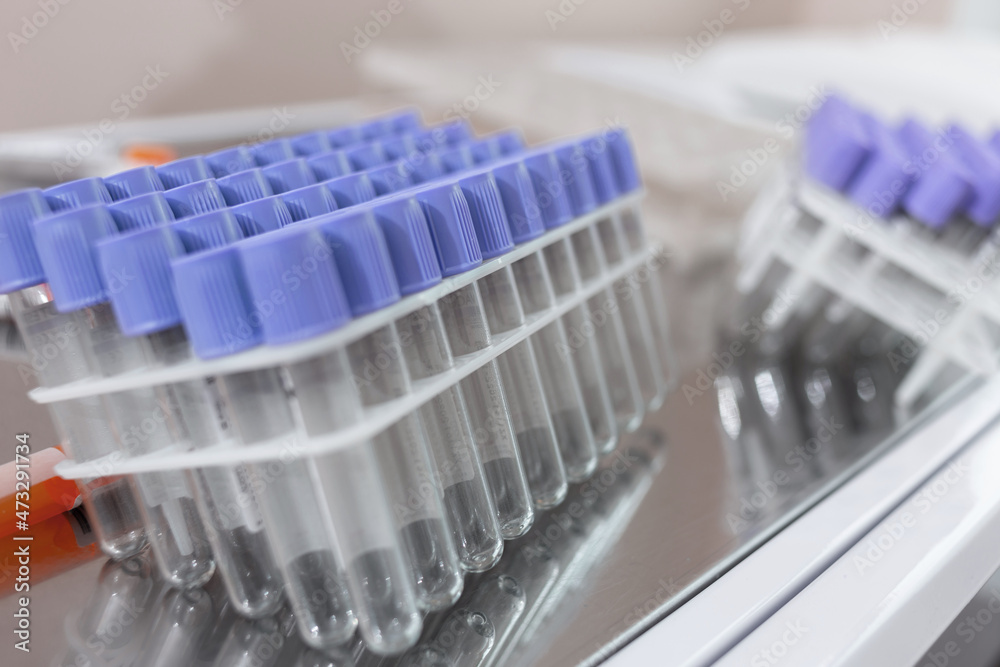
x: 756, y: 432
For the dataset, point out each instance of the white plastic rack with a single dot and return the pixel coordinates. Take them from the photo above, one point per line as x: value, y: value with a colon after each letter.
x: 945, y: 303
x: 176, y: 458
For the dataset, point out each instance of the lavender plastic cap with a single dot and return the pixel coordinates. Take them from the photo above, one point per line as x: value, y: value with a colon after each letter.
x: 579, y: 184
x: 230, y: 161
x: 450, y: 222
x: 215, y: 303
x: 519, y: 201
x: 184, y: 171
x: 289, y: 175
x: 75, y: 194
x: 882, y: 179
x: 66, y: 248
x: 311, y: 143
x: 994, y: 142
x: 275, y: 150
x: 552, y: 195
x: 984, y: 205
x: 133, y: 182
x: 509, y: 142
x: 19, y: 263
x: 411, y: 247
x: 393, y: 123
x: 365, y: 156
x: 457, y: 158
x: 602, y: 169
x: 623, y: 158
x: 362, y: 256
x: 489, y: 218
x: 836, y: 143
x: 262, y: 215
x: 344, y: 136
x: 943, y: 185
x: 331, y: 164
x: 141, y: 212
x: 195, y: 198
x: 135, y: 268
x: 309, y: 202
x: 208, y: 230
x: 244, y: 186
x: 389, y: 178
x: 351, y: 190
x: 484, y: 151
x: 398, y: 147
x: 294, y: 284
x: 427, y: 168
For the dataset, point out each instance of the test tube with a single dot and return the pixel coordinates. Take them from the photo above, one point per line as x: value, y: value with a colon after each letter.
x: 572, y: 417
x: 471, y: 514
x: 600, y: 245
x: 57, y: 351
x: 380, y: 581
x: 146, y: 306
x: 616, y: 172
x: 403, y: 450
x: 600, y: 315
x: 65, y: 245
x: 455, y: 235
x: 411, y: 247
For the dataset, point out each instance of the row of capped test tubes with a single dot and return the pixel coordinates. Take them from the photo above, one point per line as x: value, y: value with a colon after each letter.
x: 152, y: 267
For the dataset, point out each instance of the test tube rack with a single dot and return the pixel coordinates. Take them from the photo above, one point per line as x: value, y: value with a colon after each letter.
x: 945, y: 304
x: 634, y: 270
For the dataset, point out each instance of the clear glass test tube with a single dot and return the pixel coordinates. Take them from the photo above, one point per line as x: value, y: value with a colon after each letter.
x: 562, y: 388
x: 493, y: 433
x: 536, y: 437
x: 404, y: 457
x: 471, y: 513
x: 57, y: 354
x: 652, y: 381
x: 602, y: 314
x: 186, y: 414
x: 582, y: 347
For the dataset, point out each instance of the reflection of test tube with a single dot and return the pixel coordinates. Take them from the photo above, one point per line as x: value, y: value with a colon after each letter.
x: 564, y: 391
x: 378, y: 579
x: 598, y: 246
x: 464, y: 638
x: 501, y: 599
x: 116, y: 617
x: 405, y: 228
x: 403, y: 450
x: 455, y: 232
x: 146, y: 306
x: 186, y: 617
x: 403, y: 231
x: 264, y: 642
x: 57, y: 350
